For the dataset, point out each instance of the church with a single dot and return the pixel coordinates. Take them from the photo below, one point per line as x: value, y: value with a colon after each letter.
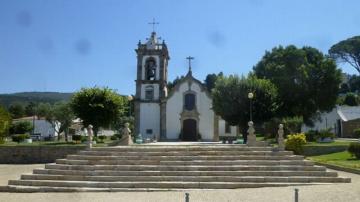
x: 182, y: 114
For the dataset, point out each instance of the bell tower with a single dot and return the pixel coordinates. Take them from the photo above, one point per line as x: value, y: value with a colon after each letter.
x: 151, y: 88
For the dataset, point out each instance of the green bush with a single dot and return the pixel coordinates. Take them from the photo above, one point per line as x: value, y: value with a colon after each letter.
x: 21, y: 127
x: 295, y: 142
x: 76, y: 138
x: 357, y: 133
x: 101, y: 138
x: 85, y: 138
x: 20, y: 137
x: 118, y: 135
x: 113, y: 137
x: 325, y: 133
x: 311, y: 135
x: 354, y: 149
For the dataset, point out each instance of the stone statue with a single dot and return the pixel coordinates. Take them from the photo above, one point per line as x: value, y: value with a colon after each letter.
x: 90, y: 136
x: 251, y: 139
x: 126, y: 135
x: 281, y: 145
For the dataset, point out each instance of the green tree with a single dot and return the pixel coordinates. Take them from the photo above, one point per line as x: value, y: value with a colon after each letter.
x: 231, y: 102
x: 99, y: 107
x: 60, y: 116
x: 21, y: 127
x: 171, y: 85
x: 211, y: 79
x: 307, y: 81
x: 5, y: 122
x: 16, y: 110
x: 351, y: 99
x: 347, y: 51
x: 354, y: 83
x: 30, y: 109
x: 43, y: 110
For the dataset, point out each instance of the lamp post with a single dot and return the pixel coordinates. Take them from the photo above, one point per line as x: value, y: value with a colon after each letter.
x: 251, y: 96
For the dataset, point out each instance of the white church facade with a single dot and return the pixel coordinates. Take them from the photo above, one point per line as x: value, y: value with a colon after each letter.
x: 182, y: 114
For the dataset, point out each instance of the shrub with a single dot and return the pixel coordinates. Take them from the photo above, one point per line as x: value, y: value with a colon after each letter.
x: 85, y: 138
x: 357, y: 133
x: 295, y: 142
x: 101, y: 138
x: 20, y: 137
x: 76, y: 138
x: 311, y: 135
x: 325, y: 133
x: 113, y: 137
x: 118, y: 135
x: 21, y: 127
x: 354, y: 149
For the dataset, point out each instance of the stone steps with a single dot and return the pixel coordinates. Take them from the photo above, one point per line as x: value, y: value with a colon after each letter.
x: 184, y: 173
x: 186, y: 157
x: 179, y: 148
x: 181, y: 153
x: 184, y: 167
x: 173, y: 163
x: 292, y: 179
x: 147, y: 168
x: 145, y: 184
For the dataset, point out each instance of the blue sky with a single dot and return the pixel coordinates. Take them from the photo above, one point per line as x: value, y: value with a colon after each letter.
x: 63, y: 45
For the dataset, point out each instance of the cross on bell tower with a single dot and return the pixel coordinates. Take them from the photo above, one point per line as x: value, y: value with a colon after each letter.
x: 153, y: 23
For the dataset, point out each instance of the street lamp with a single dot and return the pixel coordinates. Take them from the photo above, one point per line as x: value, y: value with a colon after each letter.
x: 251, y: 96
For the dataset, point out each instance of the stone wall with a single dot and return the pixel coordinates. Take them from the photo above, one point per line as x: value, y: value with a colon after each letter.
x: 35, y: 154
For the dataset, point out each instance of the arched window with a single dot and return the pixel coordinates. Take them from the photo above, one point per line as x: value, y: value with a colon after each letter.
x: 150, y: 69
x: 149, y: 93
x: 189, y: 101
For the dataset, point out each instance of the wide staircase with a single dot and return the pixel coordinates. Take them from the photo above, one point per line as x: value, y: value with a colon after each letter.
x: 168, y: 167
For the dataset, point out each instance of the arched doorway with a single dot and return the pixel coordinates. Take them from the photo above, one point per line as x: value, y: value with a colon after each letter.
x: 189, y: 132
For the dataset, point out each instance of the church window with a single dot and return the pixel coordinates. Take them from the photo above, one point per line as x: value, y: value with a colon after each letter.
x: 227, y: 127
x: 149, y: 93
x: 189, y: 101
x: 150, y: 69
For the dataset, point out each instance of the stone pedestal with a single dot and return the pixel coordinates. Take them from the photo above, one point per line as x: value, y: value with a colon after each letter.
x: 251, y: 138
x: 281, y: 145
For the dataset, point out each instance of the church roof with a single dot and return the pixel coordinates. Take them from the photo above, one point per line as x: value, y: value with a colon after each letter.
x: 189, y: 78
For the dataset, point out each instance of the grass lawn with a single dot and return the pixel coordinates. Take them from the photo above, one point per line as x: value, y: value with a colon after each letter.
x: 342, y: 159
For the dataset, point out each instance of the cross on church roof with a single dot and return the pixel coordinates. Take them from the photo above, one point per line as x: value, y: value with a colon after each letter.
x: 190, y: 58
x: 153, y: 23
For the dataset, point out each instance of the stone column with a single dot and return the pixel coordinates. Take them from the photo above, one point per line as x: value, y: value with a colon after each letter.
x: 251, y: 138
x: 281, y: 145
x: 90, y: 134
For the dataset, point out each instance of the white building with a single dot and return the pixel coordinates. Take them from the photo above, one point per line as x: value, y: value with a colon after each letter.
x: 42, y: 128
x: 185, y: 113
x: 342, y: 120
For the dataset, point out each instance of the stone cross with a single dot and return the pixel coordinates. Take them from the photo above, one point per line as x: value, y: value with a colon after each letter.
x: 153, y: 23
x: 281, y: 145
x: 251, y: 139
x: 90, y: 134
x: 190, y: 58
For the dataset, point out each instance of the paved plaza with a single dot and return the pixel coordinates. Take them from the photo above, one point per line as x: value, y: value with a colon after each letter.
x: 344, y: 192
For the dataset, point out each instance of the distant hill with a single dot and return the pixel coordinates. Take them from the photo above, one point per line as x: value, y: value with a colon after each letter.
x: 35, y: 97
